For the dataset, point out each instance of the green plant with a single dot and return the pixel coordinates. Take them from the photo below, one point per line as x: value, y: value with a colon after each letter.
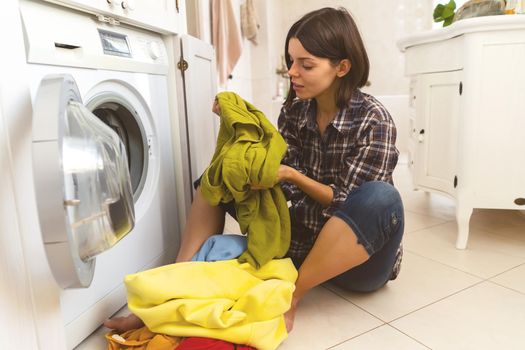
x: 445, y: 13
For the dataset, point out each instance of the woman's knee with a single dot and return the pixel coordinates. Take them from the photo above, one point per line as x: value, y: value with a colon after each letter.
x: 377, y: 196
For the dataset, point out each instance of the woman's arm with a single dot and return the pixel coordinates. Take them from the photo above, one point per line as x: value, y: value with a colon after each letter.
x: 316, y: 190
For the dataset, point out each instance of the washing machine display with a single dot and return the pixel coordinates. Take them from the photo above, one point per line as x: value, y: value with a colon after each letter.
x: 114, y: 43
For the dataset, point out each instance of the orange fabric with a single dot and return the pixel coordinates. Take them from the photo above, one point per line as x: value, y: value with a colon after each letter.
x: 141, y: 339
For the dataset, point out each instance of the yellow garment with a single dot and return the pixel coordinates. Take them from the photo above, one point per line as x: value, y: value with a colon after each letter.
x: 249, y: 151
x: 223, y: 300
x: 141, y: 339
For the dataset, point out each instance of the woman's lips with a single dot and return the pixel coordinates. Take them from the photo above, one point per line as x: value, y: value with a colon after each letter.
x: 297, y: 86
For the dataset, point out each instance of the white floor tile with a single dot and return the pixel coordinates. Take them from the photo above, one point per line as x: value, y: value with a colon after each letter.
x: 416, y: 222
x: 514, y: 279
x: 231, y: 225
x: 384, y: 337
x: 420, y: 283
x: 507, y: 223
x: 486, y: 256
x: 484, y: 317
x: 324, y: 319
x: 430, y: 204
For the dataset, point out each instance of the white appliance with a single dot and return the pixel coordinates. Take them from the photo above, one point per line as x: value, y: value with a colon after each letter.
x: 120, y: 74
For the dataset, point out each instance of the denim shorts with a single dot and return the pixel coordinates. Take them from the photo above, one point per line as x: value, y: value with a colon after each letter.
x: 374, y: 211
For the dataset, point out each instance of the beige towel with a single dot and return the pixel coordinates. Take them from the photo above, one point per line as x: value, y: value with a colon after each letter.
x: 226, y: 38
x: 249, y: 21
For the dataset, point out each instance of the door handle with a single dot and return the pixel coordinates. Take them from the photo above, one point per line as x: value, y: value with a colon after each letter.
x: 421, y: 136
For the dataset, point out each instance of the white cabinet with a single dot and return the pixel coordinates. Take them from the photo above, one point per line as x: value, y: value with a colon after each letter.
x: 467, y: 115
x: 435, y: 131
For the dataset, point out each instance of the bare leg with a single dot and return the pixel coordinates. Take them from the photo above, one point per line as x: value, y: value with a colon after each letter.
x: 204, y: 220
x: 335, y: 251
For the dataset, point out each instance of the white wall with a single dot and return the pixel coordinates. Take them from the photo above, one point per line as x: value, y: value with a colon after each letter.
x: 381, y: 23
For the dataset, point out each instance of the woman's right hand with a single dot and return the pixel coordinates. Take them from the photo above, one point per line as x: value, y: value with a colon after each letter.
x: 216, y: 108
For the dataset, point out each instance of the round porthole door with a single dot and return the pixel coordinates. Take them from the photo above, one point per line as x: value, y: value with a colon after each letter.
x: 82, y: 182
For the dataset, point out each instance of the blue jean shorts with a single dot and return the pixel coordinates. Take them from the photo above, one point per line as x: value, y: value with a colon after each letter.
x: 374, y: 211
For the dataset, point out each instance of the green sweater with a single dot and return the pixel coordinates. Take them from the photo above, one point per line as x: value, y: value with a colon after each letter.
x: 249, y: 151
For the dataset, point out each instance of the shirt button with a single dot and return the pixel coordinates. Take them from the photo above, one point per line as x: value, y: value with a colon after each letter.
x: 394, y: 220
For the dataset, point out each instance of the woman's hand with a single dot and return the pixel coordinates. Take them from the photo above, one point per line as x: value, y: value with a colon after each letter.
x: 284, y: 173
x: 216, y: 108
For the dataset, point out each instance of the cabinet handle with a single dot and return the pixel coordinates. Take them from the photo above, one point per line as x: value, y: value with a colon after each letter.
x: 520, y: 201
x: 421, y: 136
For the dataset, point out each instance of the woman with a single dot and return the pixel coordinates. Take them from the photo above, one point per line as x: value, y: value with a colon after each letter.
x: 347, y: 218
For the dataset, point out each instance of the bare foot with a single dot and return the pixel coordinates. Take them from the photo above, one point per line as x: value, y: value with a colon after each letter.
x: 124, y: 323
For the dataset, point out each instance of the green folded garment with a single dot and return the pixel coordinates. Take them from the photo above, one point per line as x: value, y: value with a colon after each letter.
x: 249, y: 151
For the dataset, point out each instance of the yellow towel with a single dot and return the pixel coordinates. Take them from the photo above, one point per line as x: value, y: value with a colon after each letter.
x: 249, y: 151
x: 223, y: 300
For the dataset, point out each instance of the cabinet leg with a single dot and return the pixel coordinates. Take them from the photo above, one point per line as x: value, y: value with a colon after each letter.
x: 463, y: 219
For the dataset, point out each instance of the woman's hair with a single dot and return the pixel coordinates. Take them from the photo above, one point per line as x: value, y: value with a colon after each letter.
x: 331, y: 33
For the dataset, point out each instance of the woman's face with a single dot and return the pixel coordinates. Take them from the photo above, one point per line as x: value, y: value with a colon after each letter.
x: 312, y: 76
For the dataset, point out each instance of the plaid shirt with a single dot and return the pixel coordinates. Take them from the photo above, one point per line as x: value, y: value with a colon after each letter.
x: 356, y: 147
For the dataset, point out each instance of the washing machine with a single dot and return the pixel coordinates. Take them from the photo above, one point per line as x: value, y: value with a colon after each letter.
x: 84, y: 71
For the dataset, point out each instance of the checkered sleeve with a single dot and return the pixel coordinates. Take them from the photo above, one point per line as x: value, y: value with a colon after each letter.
x: 373, y: 159
x: 288, y: 128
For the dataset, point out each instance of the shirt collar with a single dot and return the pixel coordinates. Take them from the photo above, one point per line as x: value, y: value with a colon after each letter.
x: 342, y: 121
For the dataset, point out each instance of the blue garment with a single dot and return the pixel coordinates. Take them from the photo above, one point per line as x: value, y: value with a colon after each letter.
x: 221, y: 247
x: 375, y: 213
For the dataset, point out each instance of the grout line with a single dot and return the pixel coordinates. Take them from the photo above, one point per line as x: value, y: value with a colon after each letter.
x: 355, y: 336
x: 438, y: 300
x: 504, y: 286
x: 349, y: 301
x: 409, y: 336
x: 429, y: 227
x: 444, y: 264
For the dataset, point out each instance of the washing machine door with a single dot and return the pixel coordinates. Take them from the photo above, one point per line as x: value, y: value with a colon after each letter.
x: 82, y: 182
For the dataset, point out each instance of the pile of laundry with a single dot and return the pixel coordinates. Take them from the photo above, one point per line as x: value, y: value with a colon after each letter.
x: 235, y: 291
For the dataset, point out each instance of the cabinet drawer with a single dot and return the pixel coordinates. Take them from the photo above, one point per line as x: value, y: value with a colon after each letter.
x: 440, y: 56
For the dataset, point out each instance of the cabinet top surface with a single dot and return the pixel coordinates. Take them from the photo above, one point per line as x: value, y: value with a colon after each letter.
x: 465, y: 26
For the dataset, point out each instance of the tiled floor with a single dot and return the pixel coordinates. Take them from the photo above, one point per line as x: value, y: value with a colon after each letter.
x: 444, y: 298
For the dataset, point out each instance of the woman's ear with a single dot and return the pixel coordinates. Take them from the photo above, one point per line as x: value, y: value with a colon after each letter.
x: 343, y: 67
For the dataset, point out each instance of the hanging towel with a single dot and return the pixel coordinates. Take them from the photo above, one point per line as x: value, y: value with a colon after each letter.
x: 249, y: 22
x: 226, y: 38
x: 223, y: 300
x: 141, y: 339
x: 221, y: 247
x: 249, y: 151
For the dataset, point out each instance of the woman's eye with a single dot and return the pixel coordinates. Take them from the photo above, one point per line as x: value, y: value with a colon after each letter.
x: 307, y: 67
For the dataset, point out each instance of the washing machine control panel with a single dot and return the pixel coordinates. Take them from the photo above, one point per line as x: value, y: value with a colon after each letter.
x: 92, y: 44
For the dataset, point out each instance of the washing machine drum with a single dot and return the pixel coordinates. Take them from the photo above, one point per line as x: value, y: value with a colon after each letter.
x: 82, y: 182
x: 122, y: 118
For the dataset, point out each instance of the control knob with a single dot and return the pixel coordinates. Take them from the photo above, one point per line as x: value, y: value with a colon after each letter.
x: 128, y: 5
x: 154, y: 49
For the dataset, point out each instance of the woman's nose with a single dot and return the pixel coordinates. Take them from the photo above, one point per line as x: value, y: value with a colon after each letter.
x: 292, y: 71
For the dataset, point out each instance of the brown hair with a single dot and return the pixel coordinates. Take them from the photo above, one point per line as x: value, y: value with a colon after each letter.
x: 332, y: 33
